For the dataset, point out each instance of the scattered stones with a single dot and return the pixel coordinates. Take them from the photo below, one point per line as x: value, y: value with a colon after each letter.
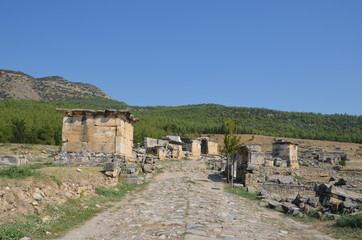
x: 275, y: 205
x: 37, y: 197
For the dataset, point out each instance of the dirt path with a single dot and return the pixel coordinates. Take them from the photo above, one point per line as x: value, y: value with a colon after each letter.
x: 185, y: 203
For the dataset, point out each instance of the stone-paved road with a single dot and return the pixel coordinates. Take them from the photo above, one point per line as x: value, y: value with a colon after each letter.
x: 184, y: 202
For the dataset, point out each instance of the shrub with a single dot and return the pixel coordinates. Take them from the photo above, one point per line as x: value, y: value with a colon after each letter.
x: 21, y: 172
x: 116, y: 192
x: 242, y: 191
x: 352, y: 221
x: 342, y: 163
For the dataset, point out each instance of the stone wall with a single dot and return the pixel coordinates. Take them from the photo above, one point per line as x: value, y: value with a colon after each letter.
x: 176, y: 151
x: 73, y: 158
x: 153, y: 142
x: 213, y: 148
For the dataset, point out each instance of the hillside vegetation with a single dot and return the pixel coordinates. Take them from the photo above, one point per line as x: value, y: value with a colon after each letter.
x: 28, y: 115
x: 28, y: 121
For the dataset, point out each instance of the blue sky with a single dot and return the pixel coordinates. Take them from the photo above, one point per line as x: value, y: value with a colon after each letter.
x: 284, y: 55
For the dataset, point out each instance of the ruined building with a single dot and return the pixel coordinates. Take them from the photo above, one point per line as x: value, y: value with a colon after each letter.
x: 96, y: 136
x: 253, y: 167
x: 168, y: 147
x: 285, y: 154
x: 208, y: 146
x: 191, y: 146
x: 248, y: 159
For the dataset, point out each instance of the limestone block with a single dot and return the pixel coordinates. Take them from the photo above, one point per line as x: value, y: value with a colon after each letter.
x: 15, y: 160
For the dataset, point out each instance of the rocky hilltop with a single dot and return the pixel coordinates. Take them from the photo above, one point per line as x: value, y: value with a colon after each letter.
x: 18, y: 85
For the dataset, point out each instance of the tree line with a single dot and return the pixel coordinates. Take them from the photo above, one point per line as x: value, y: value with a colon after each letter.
x: 27, y: 121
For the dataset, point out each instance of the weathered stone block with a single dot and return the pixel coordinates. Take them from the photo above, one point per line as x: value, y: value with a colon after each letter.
x: 15, y: 160
x: 111, y: 166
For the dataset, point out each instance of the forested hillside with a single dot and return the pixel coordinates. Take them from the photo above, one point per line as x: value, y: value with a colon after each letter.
x: 38, y: 122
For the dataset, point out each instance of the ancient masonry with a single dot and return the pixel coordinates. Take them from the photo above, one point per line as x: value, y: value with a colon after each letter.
x: 177, y: 147
x: 255, y: 168
x: 96, y: 136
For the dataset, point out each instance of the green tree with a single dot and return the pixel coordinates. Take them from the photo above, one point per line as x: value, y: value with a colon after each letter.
x: 19, y: 127
x: 231, y: 144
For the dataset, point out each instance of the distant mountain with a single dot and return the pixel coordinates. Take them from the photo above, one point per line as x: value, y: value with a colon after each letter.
x: 18, y: 85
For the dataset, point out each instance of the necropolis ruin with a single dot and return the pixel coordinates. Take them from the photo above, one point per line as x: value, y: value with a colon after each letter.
x: 96, y: 136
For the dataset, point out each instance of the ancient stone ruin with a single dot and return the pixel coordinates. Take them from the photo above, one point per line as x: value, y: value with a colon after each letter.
x: 317, y: 157
x: 177, y: 147
x: 96, y: 136
x: 208, y: 146
x: 253, y: 167
x: 275, y: 175
x: 285, y: 154
x: 191, y: 146
x: 168, y: 147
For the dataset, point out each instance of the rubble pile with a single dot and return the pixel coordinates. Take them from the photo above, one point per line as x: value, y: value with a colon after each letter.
x: 217, y: 164
x: 330, y: 201
x: 315, y: 157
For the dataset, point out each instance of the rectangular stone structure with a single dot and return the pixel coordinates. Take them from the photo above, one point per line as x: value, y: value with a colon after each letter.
x: 208, y: 146
x: 286, y: 151
x: 193, y: 146
x: 98, y: 131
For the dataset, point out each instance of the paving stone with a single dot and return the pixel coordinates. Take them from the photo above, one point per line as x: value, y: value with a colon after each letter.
x: 194, y: 225
x: 171, y: 207
x: 196, y: 232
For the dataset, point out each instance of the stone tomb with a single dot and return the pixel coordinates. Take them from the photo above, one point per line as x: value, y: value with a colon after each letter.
x: 285, y: 151
x: 208, y: 146
x: 191, y: 146
x: 252, y: 166
x: 96, y: 136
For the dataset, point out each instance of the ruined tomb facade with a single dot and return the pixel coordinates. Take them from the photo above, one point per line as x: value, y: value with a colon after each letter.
x: 168, y: 147
x: 332, y: 157
x: 254, y: 167
x: 208, y: 146
x: 193, y: 146
x: 95, y: 136
x: 175, y: 146
x: 285, y: 154
x: 247, y: 162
